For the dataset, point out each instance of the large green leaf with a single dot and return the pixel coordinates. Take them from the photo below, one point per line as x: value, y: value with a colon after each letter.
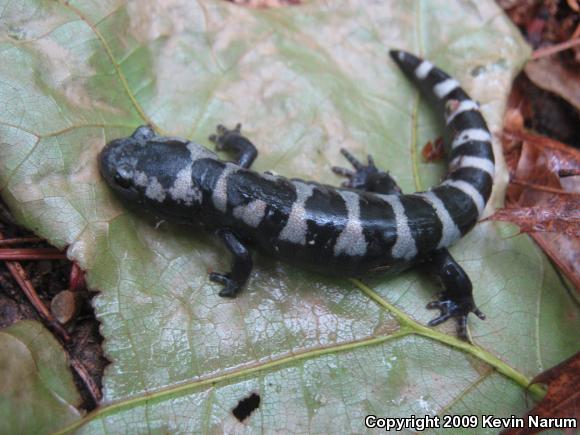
x: 37, y: 391
x: 304, y: 81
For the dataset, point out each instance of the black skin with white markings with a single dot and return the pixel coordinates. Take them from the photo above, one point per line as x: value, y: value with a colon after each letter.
x: 366, y: 225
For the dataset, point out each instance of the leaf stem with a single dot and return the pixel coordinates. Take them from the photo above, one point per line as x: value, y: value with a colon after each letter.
x: 414, y: 143
x: 407, y: 323
x: 187, y: 387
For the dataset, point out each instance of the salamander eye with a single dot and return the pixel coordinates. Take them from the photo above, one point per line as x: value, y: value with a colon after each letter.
x: 124, y: 177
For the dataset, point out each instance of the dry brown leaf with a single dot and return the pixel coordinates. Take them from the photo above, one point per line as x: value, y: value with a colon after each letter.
x: 539, y: 201
x: 433, y: 152
x: 549, y: 74
x: 542, y: 152
x: 559, y: 215
x: 562, y: 399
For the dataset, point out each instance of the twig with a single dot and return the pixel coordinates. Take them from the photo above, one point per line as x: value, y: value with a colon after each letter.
x: 87, y: 379
x: 541, y: 141
x: 20, y: 240
x: 553, y: 49
x: 76, y: 279
x: 19, y: 275
x: 31, y: 254
x: 542, y: 188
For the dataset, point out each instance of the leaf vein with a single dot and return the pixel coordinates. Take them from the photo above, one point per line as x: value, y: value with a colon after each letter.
x: 114, y: 62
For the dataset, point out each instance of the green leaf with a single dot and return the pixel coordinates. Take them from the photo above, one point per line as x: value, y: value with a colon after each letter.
x: 37, y: 391
x: 304, y: 81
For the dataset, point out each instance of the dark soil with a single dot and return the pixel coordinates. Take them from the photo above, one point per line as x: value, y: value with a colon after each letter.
x: 50, y: 277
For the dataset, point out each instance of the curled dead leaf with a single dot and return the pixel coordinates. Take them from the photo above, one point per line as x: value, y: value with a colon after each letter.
x: 542, y: 198
x: 562, y: 399
x: 549, y: 74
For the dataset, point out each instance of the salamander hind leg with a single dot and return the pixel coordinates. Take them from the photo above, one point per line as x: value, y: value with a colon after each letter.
x: 366, y: 177
x: 456, y: 301
x: 234, y: 280
x: 232, y: 140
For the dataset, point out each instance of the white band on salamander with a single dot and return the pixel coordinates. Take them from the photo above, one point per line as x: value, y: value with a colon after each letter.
x: 471, y: 134
x: 464, y: 106
x: 470, y: 191
x: 405, y: 245
x: 481, y: 163
x: 450, y: 231
x: 445, y: 87
x: 220, y: 191
x: 422, y: 71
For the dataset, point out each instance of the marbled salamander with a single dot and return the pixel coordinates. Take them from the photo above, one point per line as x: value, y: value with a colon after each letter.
x: 368, y: 225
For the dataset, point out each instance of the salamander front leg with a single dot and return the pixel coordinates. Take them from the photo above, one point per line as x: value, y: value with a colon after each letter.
x: 366, y: 177
x: 233, y: 141
x: 234, y: 280
x: 457, y: 298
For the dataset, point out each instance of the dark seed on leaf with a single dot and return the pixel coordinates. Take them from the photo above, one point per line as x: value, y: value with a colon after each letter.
x: 246, y: 406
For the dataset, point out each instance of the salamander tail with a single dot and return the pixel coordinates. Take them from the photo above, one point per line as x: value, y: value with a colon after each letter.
x: 467, y: 138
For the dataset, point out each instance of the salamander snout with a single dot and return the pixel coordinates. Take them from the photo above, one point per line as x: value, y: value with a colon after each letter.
x: 118, y: 159
x: 117, y: 162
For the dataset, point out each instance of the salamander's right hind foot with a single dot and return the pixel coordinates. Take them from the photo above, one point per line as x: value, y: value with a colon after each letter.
x: 452, y: 306
x: 366, y: 177
x: 231, y: 287
x: 456, y: 301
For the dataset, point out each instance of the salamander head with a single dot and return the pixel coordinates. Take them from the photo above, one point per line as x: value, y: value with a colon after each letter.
x: 153, y: 172
x: 117, y: 162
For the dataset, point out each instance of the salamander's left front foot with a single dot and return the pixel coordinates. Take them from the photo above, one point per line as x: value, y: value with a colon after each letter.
x: 223, y: 134
x: 455, y: 308
x: 234, y: 280
x: 232, y: 140
x: 231, y: 287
